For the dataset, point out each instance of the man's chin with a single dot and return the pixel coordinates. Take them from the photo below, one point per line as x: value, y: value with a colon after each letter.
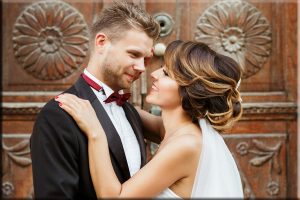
x: 126, y: 86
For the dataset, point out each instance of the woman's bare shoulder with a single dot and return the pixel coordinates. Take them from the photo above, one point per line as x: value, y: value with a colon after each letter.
x: 184, y: 145
x: 189, y: 142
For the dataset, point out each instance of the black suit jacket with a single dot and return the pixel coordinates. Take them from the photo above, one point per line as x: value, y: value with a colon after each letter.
x: 59, y: 149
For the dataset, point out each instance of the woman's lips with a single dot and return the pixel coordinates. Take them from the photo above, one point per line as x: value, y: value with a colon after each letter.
x: 153, y: 87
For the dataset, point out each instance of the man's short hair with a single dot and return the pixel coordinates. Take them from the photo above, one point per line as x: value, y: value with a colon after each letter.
x: 123, y: 16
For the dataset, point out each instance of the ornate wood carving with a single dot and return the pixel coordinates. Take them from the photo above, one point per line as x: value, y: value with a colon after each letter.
x: 7, y: 189
x: 21, y: 111
x: 273, y: 188
x: 266, y: 156
x: 21, y: 108
x: 17, y: 154
x: 50, y: 40
x: 248, y: 109
x: 262, y: 152
x: 248, y: 191
x: 270, y: 108
x: 239, y: 30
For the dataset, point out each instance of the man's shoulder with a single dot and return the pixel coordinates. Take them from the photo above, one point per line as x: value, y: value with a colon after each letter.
x: 52, y: 107
x: 52, y: 119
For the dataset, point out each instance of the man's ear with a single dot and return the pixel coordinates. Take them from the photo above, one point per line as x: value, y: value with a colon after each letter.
x: 101, y: 41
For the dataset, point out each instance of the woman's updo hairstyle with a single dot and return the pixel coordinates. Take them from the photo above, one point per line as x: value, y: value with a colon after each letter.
x: 208, y: 82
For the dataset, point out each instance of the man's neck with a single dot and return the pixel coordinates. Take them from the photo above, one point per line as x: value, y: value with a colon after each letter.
x: 107, y: 89
x: 94, y: 70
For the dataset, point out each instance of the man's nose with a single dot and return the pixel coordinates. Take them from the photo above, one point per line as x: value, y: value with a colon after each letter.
x: 140, y: 65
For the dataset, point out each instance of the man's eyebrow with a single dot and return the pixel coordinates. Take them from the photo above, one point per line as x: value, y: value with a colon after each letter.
x: 146, y: 54
x: 137, y: 52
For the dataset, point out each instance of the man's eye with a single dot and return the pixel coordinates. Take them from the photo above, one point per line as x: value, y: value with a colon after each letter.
x: 165, y: 73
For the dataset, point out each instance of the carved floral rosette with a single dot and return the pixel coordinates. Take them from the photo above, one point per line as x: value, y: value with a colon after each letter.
x: 237, y: 29
x: 50, y: 40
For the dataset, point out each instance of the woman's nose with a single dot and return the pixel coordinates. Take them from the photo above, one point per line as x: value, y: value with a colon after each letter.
x: 155, y: 74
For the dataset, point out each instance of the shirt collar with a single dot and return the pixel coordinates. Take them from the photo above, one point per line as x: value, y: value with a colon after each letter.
x: 107, y: 90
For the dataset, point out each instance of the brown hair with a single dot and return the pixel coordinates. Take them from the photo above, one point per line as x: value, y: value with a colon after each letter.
x: 123, y: 16
x: 208, y: 82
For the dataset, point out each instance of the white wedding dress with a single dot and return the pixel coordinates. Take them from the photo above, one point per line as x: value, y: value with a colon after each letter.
x: 217, y: 174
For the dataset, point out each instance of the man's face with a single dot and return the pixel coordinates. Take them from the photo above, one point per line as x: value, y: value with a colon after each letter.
x: 126, y: 58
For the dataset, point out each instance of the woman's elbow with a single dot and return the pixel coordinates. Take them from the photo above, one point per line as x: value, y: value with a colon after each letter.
x: 111, y: 192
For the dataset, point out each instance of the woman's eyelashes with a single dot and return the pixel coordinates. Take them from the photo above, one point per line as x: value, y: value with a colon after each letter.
x: 165, y: 72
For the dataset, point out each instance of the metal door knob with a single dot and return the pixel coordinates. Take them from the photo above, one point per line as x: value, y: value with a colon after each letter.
x: 159, y: 49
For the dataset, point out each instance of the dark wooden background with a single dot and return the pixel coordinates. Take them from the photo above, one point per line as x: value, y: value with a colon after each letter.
x: 45, y: 48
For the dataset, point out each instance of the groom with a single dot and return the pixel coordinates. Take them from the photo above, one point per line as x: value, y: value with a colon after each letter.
x: 121, y: 41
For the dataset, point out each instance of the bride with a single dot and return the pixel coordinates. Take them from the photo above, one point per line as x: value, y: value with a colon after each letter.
x: 197, y: 91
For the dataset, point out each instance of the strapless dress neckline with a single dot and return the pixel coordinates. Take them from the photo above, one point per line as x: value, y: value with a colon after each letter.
x: 168, y: 193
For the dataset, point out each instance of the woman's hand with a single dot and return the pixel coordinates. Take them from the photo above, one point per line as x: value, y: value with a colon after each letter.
x: 82, y: 112
x: 101, y: 168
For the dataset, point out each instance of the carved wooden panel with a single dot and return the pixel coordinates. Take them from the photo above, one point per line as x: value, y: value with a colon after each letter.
x: 262, y: 163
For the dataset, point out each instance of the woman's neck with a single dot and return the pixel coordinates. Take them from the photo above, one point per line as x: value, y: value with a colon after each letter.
x: 174, y: 120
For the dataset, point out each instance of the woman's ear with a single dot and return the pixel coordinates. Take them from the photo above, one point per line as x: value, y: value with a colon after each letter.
x: 101, y: 41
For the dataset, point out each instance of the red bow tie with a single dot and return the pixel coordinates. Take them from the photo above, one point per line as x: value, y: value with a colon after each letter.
x: 119, y: 98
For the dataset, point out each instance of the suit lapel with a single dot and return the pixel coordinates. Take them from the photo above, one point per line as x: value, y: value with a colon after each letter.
x: 114, y: 141
x: 137, y: 131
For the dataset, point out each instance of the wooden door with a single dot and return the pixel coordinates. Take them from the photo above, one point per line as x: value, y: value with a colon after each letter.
x: 261, y: 36
x: 44, y: 52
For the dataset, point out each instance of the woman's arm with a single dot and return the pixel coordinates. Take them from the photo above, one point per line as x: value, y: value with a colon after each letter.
x: 167, y: 167
x: 153, y: 125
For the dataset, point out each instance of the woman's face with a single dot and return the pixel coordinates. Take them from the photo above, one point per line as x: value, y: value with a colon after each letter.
x: 164, y: 90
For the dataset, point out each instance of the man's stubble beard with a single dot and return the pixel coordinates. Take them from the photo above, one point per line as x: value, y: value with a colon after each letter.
x: 113, y: 80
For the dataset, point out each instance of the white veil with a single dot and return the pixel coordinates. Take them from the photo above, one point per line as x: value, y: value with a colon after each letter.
x: 217, y: 174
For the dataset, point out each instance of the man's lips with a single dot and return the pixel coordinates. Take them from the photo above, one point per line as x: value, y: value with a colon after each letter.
x: 133, y: 76
x: 130, y: 76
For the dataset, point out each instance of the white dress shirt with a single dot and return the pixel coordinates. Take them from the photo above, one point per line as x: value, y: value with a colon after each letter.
x: 122, y: 125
